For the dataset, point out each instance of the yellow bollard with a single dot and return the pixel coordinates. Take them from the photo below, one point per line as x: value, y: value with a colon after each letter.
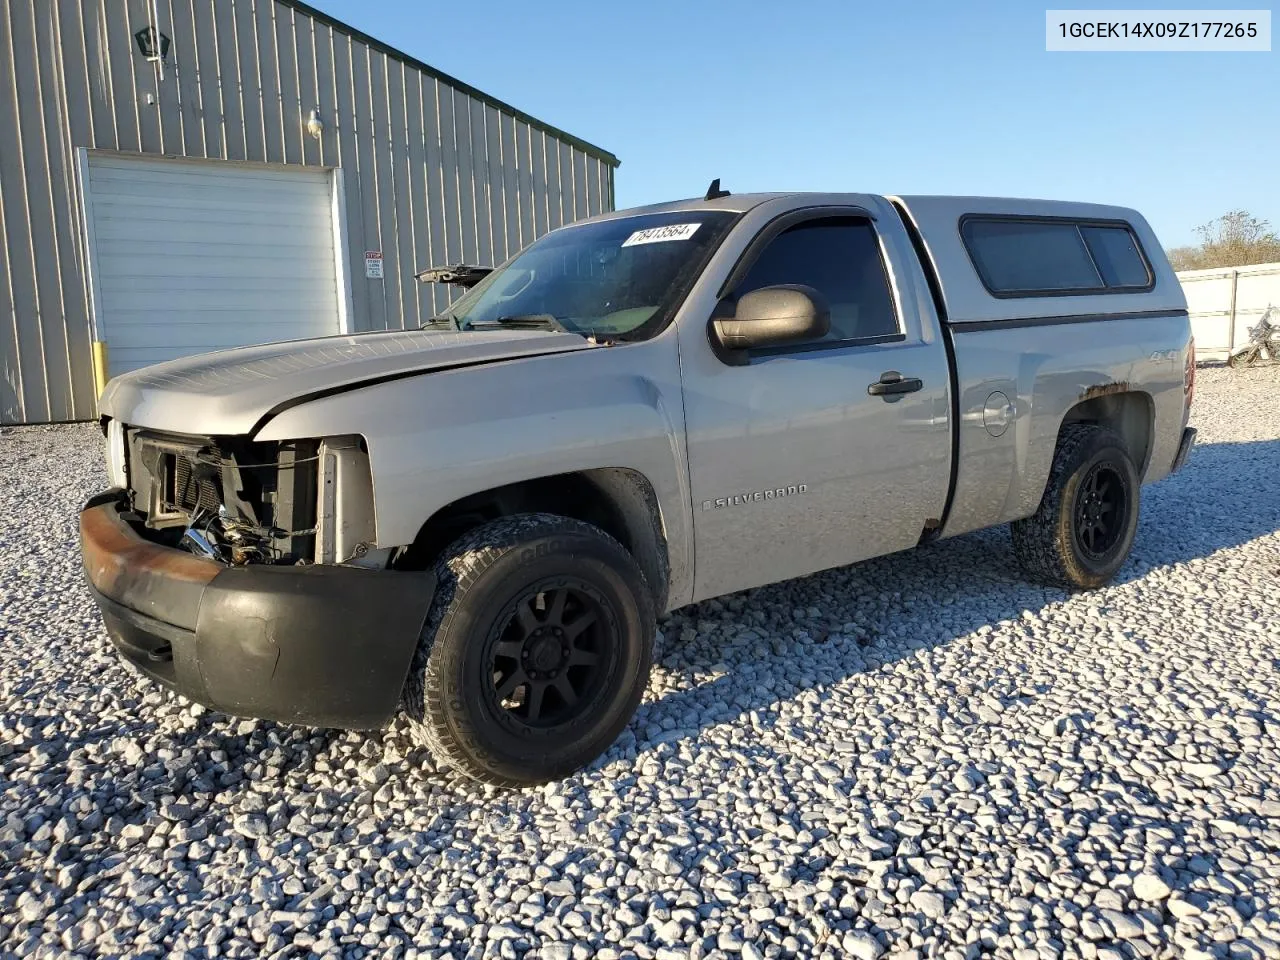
x: 99, y: 367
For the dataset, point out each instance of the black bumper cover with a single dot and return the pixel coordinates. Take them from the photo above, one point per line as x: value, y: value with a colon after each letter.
x: 319, y: 645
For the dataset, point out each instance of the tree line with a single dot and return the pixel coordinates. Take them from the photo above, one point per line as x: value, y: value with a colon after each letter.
x: 1235, y: 239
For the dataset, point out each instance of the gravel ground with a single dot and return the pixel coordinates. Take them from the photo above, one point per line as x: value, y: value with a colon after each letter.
x: 919, y: 756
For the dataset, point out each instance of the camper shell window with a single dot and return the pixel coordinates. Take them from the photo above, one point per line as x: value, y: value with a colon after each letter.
x: 1053, y: 257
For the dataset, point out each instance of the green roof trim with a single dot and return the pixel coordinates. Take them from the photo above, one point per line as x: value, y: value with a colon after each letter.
x: 588, y: 148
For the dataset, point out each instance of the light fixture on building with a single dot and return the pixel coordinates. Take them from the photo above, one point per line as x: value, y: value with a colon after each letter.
x: 315, y: 125
x: 153, y: 44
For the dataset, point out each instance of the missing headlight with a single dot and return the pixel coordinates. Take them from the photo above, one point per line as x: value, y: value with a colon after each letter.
x: 247, y: 502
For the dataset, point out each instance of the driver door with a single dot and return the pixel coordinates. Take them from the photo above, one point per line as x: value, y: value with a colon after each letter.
x: 794, y: 467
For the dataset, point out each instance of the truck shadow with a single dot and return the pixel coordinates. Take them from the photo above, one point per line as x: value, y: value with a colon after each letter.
x: 924, y: 599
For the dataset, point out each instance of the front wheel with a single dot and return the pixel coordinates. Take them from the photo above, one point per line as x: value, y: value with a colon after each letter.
x: 1084, y: 528
x: 535, y: 653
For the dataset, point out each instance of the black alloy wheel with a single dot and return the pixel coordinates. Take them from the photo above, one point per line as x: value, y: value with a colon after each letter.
x: 1085, y: 525
x: 535, y: 653
x: 551, y: 653
x: 1101, y: 510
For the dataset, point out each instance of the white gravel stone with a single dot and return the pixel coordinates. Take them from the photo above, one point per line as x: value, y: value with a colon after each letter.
x: 861, y: 945
x: 1149, y: 886
x: 929, y: 903
x: 250, y: 825
x: 924, y: 755
x: 1201, y: 771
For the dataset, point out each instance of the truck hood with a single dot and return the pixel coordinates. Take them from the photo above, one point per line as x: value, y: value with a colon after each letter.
x: 231, y: 392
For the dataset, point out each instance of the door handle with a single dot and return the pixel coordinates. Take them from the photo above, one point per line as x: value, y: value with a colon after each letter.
x: 892, y: 383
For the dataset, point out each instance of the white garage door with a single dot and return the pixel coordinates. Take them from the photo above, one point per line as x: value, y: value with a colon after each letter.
x: 191, y: 256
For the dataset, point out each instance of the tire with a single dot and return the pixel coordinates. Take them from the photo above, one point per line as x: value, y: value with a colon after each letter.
x: 1244, y: 358
x: 1084, y: 528
x: 531, y: 612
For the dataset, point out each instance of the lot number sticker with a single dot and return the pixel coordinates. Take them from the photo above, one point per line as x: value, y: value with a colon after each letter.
x: 373, y: 264
x: 674, y: 231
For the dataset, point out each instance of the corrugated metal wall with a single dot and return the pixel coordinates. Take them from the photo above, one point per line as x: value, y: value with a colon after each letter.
x: 434, y: 171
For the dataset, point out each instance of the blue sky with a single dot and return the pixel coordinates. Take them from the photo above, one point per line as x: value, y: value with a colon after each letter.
x: 881, y: 98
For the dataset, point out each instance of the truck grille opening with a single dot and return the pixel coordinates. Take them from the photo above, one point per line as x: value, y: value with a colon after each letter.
x: 255, y: 501
x: 189, y: 491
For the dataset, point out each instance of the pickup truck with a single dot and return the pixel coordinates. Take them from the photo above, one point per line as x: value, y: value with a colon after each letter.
x: 478, y: 522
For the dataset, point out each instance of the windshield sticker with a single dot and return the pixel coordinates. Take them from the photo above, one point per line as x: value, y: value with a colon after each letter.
x: 673, y: 231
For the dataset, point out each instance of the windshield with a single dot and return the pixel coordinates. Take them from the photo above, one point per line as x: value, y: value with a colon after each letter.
x: 615, y: 279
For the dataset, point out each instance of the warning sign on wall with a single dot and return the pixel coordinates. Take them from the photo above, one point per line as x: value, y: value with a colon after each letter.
x: 373, y: 264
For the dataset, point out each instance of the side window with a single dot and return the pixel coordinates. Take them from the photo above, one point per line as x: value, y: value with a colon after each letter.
x: 1020, y: 256
x: 1117, y: 255
x: 840, y: 258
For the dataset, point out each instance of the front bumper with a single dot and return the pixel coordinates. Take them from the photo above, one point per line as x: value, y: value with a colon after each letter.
x: 324, y: 645
x: 1184, y: 449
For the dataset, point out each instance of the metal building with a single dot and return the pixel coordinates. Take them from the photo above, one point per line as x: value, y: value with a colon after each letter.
x: 182, y: 175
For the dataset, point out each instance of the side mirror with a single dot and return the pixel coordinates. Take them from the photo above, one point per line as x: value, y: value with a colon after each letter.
x: 773, y: 316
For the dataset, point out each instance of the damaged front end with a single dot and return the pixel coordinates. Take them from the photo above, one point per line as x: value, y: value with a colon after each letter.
x: 245, y: 576
x: 242, y: 502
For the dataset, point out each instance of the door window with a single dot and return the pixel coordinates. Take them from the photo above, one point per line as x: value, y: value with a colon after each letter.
x: 840, y: 258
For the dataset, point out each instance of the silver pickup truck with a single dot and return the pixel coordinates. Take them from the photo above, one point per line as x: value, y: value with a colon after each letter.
x: 478, y: 522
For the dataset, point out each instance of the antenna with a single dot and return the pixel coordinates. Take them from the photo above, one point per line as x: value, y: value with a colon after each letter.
x: 714, y: 192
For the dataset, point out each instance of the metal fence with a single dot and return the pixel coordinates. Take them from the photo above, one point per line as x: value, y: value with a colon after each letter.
x: 1225, y: 301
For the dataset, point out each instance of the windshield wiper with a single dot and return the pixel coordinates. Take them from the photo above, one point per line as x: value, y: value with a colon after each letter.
x: 524, y: 321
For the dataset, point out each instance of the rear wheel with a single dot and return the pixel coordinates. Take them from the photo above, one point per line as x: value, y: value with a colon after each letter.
x: 535, y: 653
x: 1084, y: 528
